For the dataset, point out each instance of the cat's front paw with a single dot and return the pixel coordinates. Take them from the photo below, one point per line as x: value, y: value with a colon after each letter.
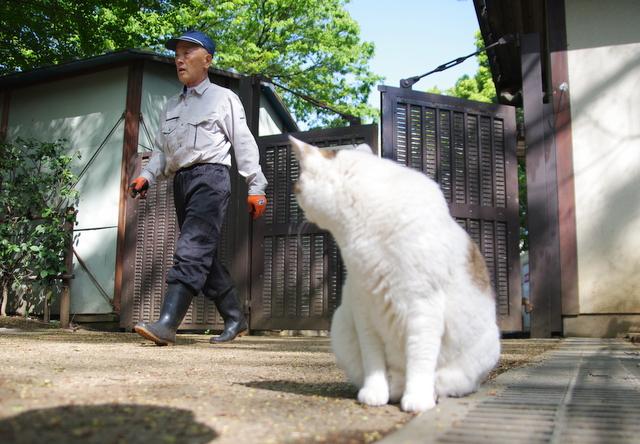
x: 417, y: 403
x: 373, y: 396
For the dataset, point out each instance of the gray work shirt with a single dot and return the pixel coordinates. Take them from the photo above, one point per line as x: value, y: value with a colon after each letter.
x: 200, y: 125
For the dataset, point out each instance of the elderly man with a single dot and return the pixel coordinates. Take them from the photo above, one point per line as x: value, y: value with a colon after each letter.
x: 197, y: 129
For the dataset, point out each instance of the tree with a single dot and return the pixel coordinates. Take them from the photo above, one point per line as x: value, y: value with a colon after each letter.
x: 307, y: 46
x: 36, y: 189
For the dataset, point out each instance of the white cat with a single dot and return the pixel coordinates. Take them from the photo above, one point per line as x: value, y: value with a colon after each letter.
x: 418, y: 315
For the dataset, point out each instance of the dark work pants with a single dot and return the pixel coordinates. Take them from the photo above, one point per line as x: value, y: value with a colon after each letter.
x: 201, y: 195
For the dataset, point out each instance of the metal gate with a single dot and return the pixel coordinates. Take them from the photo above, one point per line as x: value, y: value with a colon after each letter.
x: 297, y: 272
x: 469, y: 148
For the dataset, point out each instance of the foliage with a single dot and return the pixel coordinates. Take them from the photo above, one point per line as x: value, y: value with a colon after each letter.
x: 36, y: 189
x: 307, y: 46
x: 480, y: 87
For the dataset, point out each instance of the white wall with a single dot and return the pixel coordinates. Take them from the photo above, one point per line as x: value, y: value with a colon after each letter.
x: 83, y: 110
x: 270, y: 123
x: 604, y: 74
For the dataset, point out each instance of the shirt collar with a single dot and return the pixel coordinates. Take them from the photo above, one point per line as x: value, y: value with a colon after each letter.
x: 199, y: 89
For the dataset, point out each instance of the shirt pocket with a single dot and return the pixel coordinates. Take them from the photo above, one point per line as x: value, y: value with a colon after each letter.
x: 168, y: 131
x: 200, y: 132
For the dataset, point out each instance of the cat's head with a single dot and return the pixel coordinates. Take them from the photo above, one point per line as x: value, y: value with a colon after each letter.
x: 322, y: 185
x: 318, y: 181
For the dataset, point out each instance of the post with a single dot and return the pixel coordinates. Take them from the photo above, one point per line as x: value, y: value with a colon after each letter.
x: 245, y: 261
x: 65, y: 298
x: 542, y: 197
x: 127, y: 169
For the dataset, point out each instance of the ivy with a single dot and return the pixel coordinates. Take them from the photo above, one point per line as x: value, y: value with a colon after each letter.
x: 36, y: 201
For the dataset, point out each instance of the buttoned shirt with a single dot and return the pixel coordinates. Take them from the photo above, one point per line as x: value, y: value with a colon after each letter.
x: 200, y: 125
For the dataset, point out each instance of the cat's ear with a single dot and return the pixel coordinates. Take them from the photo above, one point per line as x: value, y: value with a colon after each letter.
x: 363, y: 147
x: 300, y: 148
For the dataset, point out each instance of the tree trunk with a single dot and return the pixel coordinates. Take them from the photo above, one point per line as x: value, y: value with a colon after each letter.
x: 5, y: 299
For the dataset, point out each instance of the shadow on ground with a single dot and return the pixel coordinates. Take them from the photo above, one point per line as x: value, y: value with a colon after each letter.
x: 106, y: 423
x: 325, y: 389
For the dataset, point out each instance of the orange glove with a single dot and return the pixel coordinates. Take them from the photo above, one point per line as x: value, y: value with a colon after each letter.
x: 257, y: 204
x: 140, y: 185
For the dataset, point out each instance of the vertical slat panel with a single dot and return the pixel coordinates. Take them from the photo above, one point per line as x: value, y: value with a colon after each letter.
x: 487, y: 246
x: 267, y: 288
x: 459, y: 170
x: 486, y: 164
x: 269, y: 172
x: 317, y: 285
x: 277, y: 308
x: 473, y: 160
x: 499, y: 159
x: 415, y: 135
x: 280, y: 186
x: 401, y: 133
x: 444, y: 139
x: 502, y: 269
x: 305, y: 277
x: 430, y: 143
x: 291, y: 277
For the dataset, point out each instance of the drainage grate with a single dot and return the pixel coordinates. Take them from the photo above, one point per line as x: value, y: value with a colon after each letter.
x: 582, y: 393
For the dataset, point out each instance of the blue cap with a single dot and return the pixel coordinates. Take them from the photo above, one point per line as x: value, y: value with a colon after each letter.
x: 197, y: 37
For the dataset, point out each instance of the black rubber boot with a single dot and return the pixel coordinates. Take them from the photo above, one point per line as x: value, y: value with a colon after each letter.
x: 174, y: 307
x: 235, y: 323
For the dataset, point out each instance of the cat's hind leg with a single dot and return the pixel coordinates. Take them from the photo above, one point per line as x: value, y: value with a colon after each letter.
x: 344, y: 343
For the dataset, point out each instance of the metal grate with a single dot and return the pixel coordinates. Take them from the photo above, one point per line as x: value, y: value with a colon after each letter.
x: 582, y: 393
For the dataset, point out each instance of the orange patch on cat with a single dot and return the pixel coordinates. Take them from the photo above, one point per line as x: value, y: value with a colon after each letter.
x: 329, y: 154
x: 477, y: 267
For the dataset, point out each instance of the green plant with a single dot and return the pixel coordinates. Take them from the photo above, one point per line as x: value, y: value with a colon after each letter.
x: 36, y: 201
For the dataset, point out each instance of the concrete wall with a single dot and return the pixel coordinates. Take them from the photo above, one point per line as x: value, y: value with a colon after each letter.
x: 83, y: 110
x: 604, y: 73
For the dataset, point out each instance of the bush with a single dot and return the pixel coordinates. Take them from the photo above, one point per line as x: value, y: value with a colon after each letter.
x: 36, y: 194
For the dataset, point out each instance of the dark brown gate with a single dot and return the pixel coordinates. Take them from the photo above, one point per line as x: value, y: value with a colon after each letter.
x: 469, y: 148
x: 297, y: 271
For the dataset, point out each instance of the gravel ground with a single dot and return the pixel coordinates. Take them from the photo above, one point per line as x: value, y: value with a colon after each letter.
x: 61, y: 386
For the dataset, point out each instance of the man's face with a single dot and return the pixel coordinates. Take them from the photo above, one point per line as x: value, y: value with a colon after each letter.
x: 192, y: 63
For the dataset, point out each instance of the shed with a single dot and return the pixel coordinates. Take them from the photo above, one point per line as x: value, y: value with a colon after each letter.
x: 107, y: 107
x: 576, y: 70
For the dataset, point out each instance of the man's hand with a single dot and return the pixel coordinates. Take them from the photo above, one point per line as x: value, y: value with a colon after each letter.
x: 257, y: 204
x: 140, y: 185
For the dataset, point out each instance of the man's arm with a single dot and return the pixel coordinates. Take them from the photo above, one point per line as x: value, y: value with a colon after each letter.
x: 154, y: 169
x: 244, y: 146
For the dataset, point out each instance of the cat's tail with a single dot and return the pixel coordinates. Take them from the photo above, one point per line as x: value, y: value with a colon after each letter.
x: 464, y: 375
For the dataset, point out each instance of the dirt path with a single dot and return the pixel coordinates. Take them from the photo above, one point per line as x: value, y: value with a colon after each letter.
x: 92, y: 387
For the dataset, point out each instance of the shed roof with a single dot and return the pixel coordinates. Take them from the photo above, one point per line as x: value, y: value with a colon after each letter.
x: 123, y: 58
x: 498, y: 18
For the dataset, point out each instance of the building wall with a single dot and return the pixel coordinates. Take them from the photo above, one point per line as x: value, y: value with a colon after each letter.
x: 604, y: 74
x: 83, y: 109
x: 269, y: 122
